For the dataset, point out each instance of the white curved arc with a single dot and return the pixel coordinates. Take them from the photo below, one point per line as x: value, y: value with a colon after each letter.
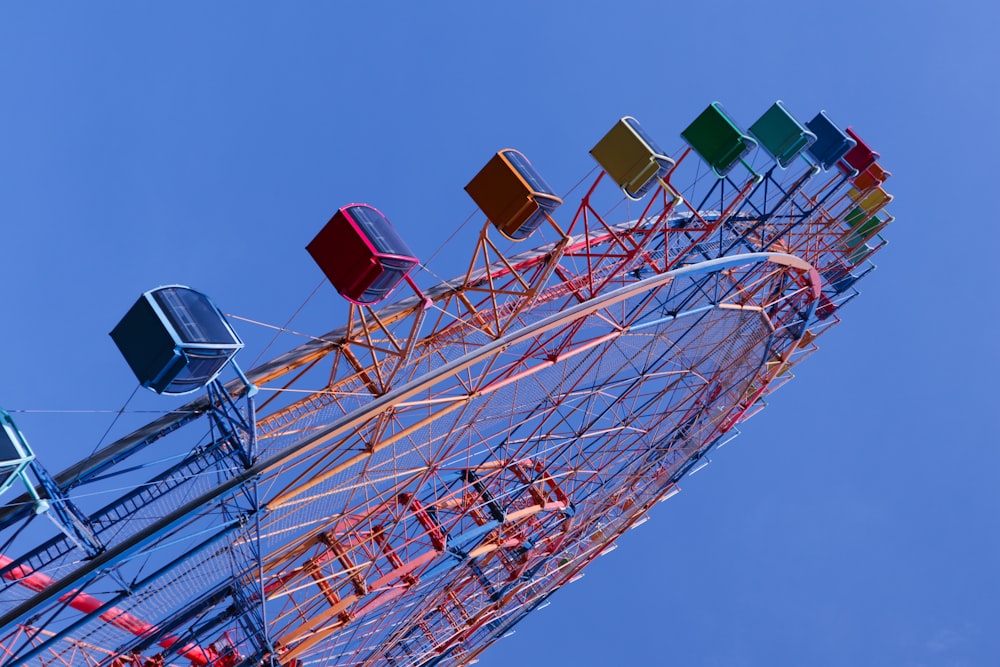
x: 422, y: 384
x: 159, y: 527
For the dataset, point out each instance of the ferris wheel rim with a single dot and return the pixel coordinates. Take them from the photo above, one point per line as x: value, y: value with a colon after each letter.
x: 511, y: 338
x: 140, y: 538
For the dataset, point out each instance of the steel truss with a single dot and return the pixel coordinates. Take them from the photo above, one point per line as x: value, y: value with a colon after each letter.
x: 418, y: 480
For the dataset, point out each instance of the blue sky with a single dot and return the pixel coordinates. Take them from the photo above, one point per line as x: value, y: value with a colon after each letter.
x: 855, y: 522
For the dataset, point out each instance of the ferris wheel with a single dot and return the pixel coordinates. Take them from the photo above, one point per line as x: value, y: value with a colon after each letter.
x: 405, y: 488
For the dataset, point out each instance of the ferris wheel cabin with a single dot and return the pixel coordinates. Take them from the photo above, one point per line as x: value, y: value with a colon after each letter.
x: 860, y: 158
x: 831, y: 144
x: 512, y: 194
x: 781, y: 135
x: 361, y: 254
x: 631, y: 158
x: 15, y: 454
x: 719, y: 140
x: 175, y: 340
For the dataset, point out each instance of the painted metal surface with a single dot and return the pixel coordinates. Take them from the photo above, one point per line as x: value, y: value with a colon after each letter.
x: 469, y: 450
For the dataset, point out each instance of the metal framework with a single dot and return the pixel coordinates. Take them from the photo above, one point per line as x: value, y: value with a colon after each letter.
x: 404, y: 489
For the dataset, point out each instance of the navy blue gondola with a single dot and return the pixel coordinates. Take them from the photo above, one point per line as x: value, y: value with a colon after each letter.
x: 831, y: 144
x: 175, y: 340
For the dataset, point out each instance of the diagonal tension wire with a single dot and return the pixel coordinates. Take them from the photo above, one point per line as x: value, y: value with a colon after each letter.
x: 114, y: 421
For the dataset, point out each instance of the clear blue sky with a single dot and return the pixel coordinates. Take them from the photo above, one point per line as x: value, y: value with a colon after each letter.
x: 857, y: 520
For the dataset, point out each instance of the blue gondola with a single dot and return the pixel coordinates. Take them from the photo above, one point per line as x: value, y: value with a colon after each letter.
x: 175, y: 340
